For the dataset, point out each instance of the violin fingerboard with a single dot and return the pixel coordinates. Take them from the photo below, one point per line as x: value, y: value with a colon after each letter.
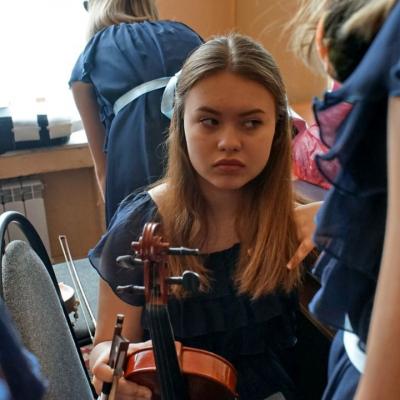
x: 172, y: 383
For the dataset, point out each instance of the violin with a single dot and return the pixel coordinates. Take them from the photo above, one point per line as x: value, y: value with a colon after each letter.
x: 74, y: 296
x: 172, y: 371
x: 69, y: 299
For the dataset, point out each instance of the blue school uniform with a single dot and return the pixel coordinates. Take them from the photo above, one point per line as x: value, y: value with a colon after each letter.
x: 252, y: 335
x: 116, y: 60
x: 351, y: 223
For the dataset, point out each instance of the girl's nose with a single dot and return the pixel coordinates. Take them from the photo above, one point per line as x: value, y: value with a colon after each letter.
x: 229, y: 141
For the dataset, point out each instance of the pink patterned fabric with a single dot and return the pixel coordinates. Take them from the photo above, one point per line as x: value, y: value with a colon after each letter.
x: 329, y: 121
x: 305, y: 146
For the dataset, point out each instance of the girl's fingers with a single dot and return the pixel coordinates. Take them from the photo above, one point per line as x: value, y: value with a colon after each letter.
x: 101, y: 373
x: 126, y: 390
x: 97, y: 384
x: 306, y: 246
x: 131, y: 390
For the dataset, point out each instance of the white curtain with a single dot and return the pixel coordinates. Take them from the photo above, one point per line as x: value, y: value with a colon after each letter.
x: 39, y: 43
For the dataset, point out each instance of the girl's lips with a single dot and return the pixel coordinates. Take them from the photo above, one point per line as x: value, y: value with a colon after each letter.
x: 228, y: 163
x: 229, y: 166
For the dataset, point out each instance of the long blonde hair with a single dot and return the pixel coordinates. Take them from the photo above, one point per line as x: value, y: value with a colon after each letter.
x: 349, y: 27
x: 104, y: 13
x: 265, y: 226
x: 368, y: 19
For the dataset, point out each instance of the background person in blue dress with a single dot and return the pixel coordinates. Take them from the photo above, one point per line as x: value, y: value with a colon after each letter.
x: 228, y: 192
x: 128, y: 46
x: 358, y: 226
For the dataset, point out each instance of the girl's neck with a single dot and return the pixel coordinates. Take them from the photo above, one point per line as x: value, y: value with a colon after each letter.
x: 222, y: 208
x: 220, y: 202
x: 223, y: 205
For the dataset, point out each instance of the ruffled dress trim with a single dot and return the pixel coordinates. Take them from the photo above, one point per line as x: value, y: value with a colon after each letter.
x: 216, y: 320
x: 221, y: 311
x: 125, y: 227
x: 351, y: 222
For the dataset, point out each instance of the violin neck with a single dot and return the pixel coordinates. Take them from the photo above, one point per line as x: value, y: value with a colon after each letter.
x: 172, y: 384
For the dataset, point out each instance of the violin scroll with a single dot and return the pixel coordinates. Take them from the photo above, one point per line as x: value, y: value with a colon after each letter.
x: 151, y: 246
x: 151, y: 251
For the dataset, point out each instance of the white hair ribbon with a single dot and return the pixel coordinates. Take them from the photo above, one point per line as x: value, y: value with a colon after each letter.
x: 168, y: 98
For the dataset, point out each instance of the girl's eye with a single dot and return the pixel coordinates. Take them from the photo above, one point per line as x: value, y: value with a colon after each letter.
x: 209, y: 121
x: 252, y: 123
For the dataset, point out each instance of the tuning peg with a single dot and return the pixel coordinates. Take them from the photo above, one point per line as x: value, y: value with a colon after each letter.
x: 130, y: 289
x: 189, y: 280
x: 128, y: 261
x: 183, y: 251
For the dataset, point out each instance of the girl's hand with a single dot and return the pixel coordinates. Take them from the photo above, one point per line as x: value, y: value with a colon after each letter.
x: 126, y: 390
x: 304, y: 215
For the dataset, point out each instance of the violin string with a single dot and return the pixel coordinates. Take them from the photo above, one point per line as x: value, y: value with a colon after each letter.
x: 161, y: 345
x: 159, y: 323
x: 165, y: 353
x: 163, y: 375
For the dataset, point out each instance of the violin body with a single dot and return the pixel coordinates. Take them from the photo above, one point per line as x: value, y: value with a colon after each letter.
x: 207, y: 375
x: 68, y: 296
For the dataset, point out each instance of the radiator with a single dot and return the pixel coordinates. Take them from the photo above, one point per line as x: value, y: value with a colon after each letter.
x: 26, y: 196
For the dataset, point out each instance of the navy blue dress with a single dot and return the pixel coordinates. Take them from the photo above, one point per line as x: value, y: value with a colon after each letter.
x: 252, y: 335
x: 114, y: 61
x: 351, y: 223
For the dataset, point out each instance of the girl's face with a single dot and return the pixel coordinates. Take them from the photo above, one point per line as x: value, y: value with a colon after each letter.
x: 229, y: 124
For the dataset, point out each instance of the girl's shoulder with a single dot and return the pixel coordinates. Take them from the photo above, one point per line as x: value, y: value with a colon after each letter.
x: 159, y: 26
x: 157, y: 194
x: 125, y: 226
x: 136, y: 209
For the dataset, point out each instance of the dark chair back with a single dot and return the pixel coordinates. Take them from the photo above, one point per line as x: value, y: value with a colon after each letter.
x: 30, y: 290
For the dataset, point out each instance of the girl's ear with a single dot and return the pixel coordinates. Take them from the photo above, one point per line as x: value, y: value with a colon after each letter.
x: 322, y: 48
x: 323, y: 52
